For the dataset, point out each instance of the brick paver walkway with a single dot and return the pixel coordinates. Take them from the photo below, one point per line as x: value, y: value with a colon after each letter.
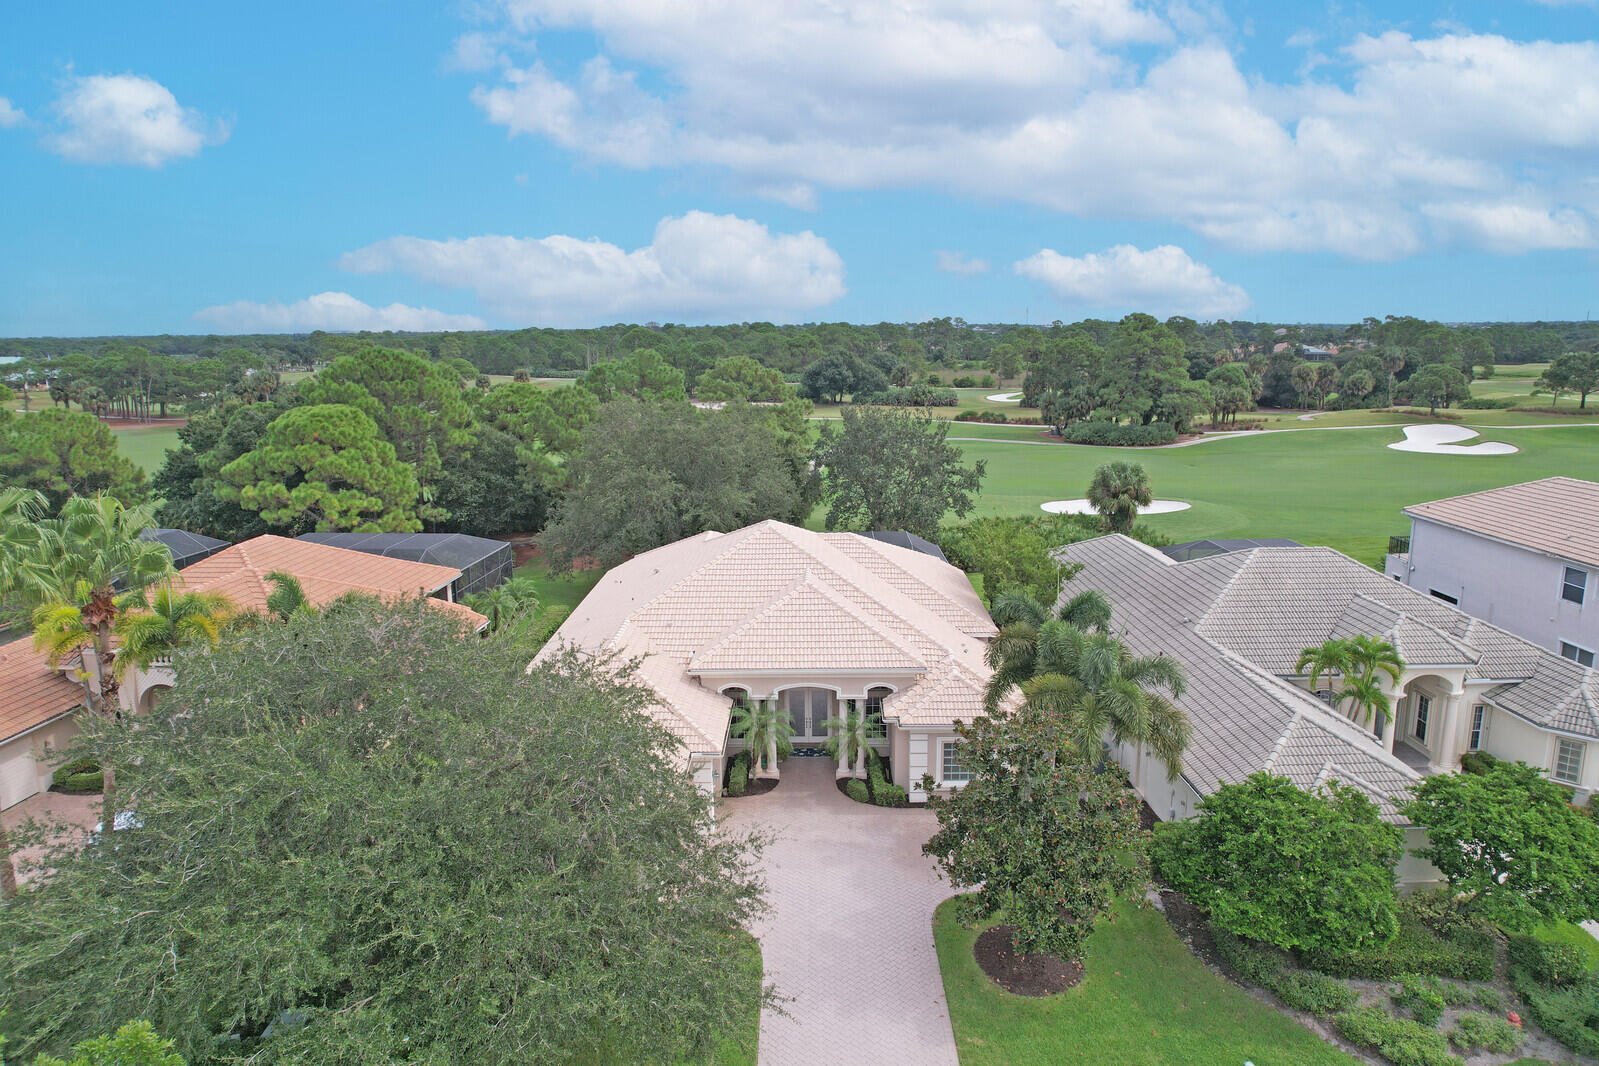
x: 849, y: 939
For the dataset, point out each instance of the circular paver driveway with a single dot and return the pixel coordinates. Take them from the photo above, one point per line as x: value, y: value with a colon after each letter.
x: 849, y: 938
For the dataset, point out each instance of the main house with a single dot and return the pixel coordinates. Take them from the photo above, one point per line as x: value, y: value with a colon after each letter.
x: 1238, y: 623
x: 812, y: 620
x: 38, y: 704
x: 1524, y: 557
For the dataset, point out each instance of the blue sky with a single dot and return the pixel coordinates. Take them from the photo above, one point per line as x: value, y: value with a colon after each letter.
x: 197, y: 168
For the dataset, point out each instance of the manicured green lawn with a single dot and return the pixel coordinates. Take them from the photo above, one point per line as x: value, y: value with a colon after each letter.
x: 556, y: 590
x: 1143, y: 1001
x: 146, y: 446
x: 1573, y: 935
x: 1342, y: 488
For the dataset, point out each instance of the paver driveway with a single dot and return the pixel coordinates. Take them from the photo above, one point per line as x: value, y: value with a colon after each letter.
x: 849, y: 938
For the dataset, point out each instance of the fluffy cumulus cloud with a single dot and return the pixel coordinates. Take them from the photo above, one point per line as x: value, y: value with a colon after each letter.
x: 335, y: 312
x: 127, y: 118
x: 697, y: 266
x: 10, y: 114
x: 1106, y: 108
x: 1162, y: 281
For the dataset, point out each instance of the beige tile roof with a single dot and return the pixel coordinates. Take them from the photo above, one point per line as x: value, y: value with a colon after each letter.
x: 325, y: 572
x: 775, y: 597
x: 33, y: 693
x: 1556, y: 515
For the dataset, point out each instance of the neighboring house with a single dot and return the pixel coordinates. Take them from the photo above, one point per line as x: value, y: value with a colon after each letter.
x: 36, y: 709
x: 186, y: 548
x: 812, y: 620
x: 482, y: 563
x: 1524, y: 557
x: 37, y: 703
x: 1238, y: 623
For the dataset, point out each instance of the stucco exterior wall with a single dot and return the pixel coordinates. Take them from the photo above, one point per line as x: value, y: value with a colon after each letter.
x: 1514, y: 588
x: 26, y: 762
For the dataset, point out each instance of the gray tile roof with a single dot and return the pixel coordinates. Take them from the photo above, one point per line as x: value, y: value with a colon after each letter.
x: 1557, y: 515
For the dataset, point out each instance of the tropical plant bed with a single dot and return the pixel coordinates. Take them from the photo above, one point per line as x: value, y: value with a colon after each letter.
x: 899, y: 805
x: 1023, y: 975
x: 758, y: 786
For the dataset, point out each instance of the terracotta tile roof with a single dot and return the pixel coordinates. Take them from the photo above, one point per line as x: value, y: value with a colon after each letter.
x: 33, y: 693
x: 773, y: 597
x: 325, y: 572
x: 1556, y: 515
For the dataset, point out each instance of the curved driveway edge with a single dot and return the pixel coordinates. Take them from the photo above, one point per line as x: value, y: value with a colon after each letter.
x: 848, y: 940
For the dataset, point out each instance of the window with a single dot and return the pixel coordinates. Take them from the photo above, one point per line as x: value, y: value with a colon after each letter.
x: 1575, y: 585
x: 952, y: 772
x: 1580, y: 656
x: 875, y: 726
x: 1423, y: 708
x: 1568, y: 761
x: 1443, y: 596
x: 1479, y: 721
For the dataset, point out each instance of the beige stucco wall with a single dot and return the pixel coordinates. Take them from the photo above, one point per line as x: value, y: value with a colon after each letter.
x: 27, y: 761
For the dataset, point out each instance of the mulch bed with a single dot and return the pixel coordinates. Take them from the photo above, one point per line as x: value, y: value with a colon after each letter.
x: 907, y: 805
x: 758, y: 786
x: 1192, y: 928
x: 1023, y: 975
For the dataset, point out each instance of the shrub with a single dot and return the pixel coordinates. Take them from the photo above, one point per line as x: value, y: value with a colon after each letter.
x: 1486, y: 403
x: 1255, y: 963
x: 934, y: 379
x: 1316, y: 993
x: 891, y: 796
x: 1488, y: 997
x: 855, y: 789
x: 965, y: 381
x: 1473, y: 1031
x: 1477, y: 762
x: 738, y: 774
x: 1548, y: 963
x: 1426, y: 997
x: 913, y: 396
x: 996, y: 417
x: 1116, y: 435
x: 986, y: 381
x: 80, y: 775
x: 1570, y: 1014
x: 1399, y: 1040
x: 1433, y: 939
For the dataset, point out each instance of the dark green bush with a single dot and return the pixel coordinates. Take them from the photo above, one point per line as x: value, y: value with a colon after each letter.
x: 1255, y: 963
x: 1434, y: 939
x: 856, y: 790
x: 891, y: 796
x: 1486, y: 403
x: 1569, y: 1013
x: 1473, y: 1031
x: 1548, y: 964
x: 1399, y: 1040
x: 965, y: 381
x: 912, y: 396
x: 1315, y: 993
x: 1477, y: 762
x: 1426, y: 997
x: 1116, y: 435
x: 996, y: 417
x: 738, y: 774
x: 80, y: 775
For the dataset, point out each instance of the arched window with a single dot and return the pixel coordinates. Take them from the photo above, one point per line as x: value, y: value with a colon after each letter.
x: 875, y: 726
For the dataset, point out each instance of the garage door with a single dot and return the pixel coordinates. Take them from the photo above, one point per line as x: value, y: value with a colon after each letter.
x: 19, y: 774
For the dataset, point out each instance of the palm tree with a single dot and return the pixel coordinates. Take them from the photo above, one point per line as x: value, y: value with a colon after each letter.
x: 1364, y: 659
x: 72, y: 572
x: 287, y: 597
x: 1093, y: 685
x: 505, y: 603
x: 1330, y: 657
x: 765, y: 730
x: 1117, y: 491
x: 171, y: 621
x: 849, y: 743
x: 1024, y: 624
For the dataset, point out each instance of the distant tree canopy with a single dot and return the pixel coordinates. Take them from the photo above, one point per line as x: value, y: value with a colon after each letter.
x: 66, y: 453
x: 890, y: 469
x: 490, y: 865
x: 739, y: 377
x: 648, y: 474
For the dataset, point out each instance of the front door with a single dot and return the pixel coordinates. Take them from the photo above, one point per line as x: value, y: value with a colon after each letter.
x: 808, y: 712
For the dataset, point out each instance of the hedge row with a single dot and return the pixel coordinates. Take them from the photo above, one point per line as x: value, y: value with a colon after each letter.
x: 1399, y: 1040
x: 1116, y: 435
x: 1466, y: 954
x: 913, y: 396
x: 738, y: 774
x: 1562, y: 994
x: 1304, y: 990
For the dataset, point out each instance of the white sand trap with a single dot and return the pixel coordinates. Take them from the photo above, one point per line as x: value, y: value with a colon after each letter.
x: 1084, y: 507
x: 1445, y: 440
x: 1006, y: 397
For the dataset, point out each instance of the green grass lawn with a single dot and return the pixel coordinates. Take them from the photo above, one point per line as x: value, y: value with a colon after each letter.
x: 1144, y: 1001
x: 146, y: 446
x: 555, y: 590
x: 1343, y: 488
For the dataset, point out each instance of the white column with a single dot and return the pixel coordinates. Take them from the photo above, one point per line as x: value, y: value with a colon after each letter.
x: 1448, y: 753
x: 843, y: 734
x: 1396, y: 699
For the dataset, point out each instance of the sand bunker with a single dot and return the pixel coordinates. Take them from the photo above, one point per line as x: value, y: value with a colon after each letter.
x: 1006, y: 397
x: 1445, y: 440
x: 1084, y: 507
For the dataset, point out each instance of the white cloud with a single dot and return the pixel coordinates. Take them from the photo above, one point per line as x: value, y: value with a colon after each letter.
x: 1162, y: 281
x: 1051, y: 104
x: 126, y: 118
x: 335, y: 312
x: 10, y: 114
x: 959, y: 263
x: 1510, y: 227
x: 697, y: 266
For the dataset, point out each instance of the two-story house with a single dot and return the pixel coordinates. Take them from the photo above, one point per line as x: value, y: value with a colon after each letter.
x: 1523, y: 557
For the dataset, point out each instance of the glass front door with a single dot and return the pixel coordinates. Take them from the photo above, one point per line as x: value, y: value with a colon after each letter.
x: 808, y: 711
